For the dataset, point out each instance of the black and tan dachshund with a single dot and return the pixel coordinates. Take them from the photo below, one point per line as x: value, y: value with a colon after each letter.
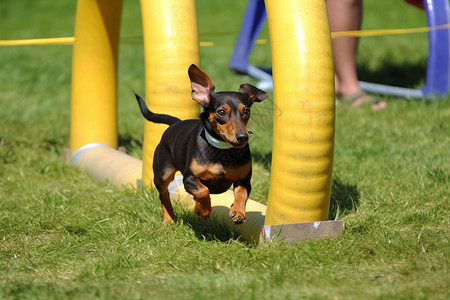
x: 212, y: 153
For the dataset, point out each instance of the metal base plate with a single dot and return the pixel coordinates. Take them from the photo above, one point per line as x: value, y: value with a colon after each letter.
x: 302, y: 231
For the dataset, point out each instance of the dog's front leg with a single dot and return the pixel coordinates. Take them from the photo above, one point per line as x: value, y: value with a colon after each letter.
x: 237, y: 210
x: 201, y: 195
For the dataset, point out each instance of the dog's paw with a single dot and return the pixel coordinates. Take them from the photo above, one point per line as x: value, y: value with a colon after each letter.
x: 237, y: 217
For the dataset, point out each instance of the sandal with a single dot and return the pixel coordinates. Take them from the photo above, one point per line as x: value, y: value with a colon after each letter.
x: 377, y: 104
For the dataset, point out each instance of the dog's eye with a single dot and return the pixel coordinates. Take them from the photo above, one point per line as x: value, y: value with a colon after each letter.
x: 221, y: 113
x: 246, y: 112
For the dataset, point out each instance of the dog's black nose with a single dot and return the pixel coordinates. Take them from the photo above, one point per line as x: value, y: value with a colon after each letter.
x: 242, y: 138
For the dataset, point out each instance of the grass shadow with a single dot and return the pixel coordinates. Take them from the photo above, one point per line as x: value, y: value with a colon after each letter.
x: 221, y: 228
x: 209, y: 230
x: 406, y: 74
x: 344, y: 199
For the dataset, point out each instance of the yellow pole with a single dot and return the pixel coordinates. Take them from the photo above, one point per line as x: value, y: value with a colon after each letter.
x: 171, y: 46
x: 94, y: 73
x: 304, y: 117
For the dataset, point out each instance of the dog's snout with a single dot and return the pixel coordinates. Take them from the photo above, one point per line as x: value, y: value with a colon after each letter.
x: 242, y: 137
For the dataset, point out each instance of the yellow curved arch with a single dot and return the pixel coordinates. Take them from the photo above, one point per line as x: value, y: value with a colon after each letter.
x: 93, y: 115
x: 171, y: 46
x: 303, y: 134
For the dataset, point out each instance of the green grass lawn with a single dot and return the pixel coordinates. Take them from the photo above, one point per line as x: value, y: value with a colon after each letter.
x: 65, y: 236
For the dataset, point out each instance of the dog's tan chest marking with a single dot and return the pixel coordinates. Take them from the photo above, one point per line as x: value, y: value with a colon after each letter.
x: 207, y: 171
x: 215, y: 171
x: 239, y: 172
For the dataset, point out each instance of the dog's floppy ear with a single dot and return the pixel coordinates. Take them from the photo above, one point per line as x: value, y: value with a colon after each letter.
x: 201, y: 85
x: 254, y: 93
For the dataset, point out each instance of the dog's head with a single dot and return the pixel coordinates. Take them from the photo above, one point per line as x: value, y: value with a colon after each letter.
x: 227, y: 112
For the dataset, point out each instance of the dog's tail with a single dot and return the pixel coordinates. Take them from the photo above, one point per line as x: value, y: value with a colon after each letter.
x: 152, y: 117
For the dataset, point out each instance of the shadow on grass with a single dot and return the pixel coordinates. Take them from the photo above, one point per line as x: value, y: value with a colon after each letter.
x: 221, y: 228
x: 209, y: 230
x: 408, y: 75
x: 344, y: 198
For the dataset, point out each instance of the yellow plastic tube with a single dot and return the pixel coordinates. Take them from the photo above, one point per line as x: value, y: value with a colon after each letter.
x: 304, y: 115
x: 170, y: 46
x: 94, y: 73
x: 108, y: 165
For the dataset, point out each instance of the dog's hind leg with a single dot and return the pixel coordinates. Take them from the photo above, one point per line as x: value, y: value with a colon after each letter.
x: 167, y: 210
x: 162, y: 183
